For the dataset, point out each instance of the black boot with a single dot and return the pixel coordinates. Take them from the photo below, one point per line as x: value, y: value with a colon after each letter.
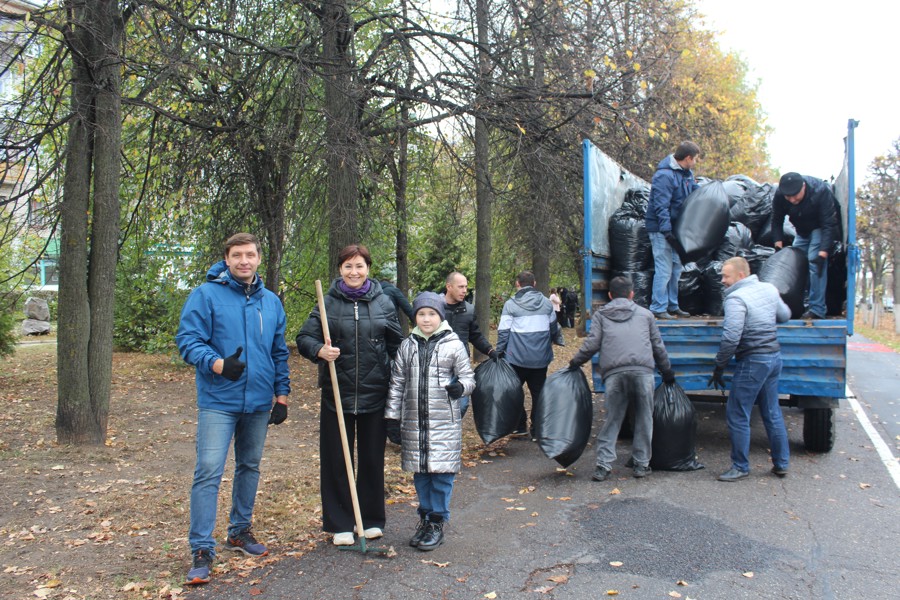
x: 434, y: 534
x: 420, y: 532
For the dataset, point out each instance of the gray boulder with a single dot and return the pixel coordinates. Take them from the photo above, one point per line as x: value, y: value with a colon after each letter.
x: 35, y: 327
x: 37, y: 309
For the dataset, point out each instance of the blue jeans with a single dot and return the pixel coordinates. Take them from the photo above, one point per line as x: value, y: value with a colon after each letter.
x: 621, y: 389
x: 668, y: 267
x: 818, y: 276
x: 463, y: 406
x: 434, y: 491
x: 755, y: 381
x: 215, y: 430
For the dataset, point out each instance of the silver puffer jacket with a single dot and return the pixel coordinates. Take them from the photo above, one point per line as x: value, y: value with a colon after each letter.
x: 430, y: 423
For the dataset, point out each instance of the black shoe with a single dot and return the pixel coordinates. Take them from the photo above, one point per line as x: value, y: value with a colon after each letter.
x: 420, y: 533
x: 733, y: 474
x: 679, y: 313
x: 663, y: 316
x: 642, y: 470
x: 202, y: 562
x: 246, y: 543
x: 811, y: 315
x: 780, y: 471
x: 600, y: 474
x: 433, y: 535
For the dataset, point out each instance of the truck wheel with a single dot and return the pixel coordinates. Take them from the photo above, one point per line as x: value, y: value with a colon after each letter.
x: 818, y: 429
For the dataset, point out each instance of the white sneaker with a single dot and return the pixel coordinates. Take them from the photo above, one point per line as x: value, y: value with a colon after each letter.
x: 343, y: 539
x: 371, y: 533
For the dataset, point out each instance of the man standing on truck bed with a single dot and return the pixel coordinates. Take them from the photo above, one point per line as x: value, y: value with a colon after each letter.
x: 672, y: 183
x: 752, y: 309
x: 810, y: 205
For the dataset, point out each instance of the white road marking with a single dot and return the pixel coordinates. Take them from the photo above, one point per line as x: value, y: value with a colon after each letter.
x: 884, y: 451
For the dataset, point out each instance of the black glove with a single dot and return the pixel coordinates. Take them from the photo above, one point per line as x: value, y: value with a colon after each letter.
x: 492, y: 354
x: 819, y: 260
x: 676, y: 245
x: 668, y: 376
x: 233, y: 368
x: 393, y: 430
x: 574, y: 365
x: 454, y: 390
x: 279, y: 414
x: 716, y: 381
x: 497, y: 354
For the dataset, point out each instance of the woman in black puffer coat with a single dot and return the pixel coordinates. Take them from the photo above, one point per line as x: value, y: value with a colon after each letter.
x: 365, y: 335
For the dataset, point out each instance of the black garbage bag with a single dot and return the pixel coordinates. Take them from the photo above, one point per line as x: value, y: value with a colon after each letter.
x: 643, y: 285
x: 735, y: 190
x: 788, y: 271
x: 498, y: 400
x: 690, y: 292
x: 564, y: 414
x: 756, y: 255
x: 713, y: 289
x: 737, y: 238
x: 754, y: 207
x: 764, y: 235
x: 703, y: 221
x: 836, y: 287
x: 674, y: 430
x: 629, y: 242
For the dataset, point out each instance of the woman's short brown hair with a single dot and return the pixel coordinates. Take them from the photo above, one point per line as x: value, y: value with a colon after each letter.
x: 348, y: 252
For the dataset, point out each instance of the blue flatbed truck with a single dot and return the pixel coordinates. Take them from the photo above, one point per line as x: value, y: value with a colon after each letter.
x: 814, y: 376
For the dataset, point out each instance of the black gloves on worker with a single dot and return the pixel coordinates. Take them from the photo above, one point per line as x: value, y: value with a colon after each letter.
x: 454, y: 390
x: 574, y: 365
x: 393, y: 430
x: 668, y: 376
x: 279, y: 414
x: 676, y: 245
x: 233, y: 367
x: 496, y: 355
x: 716, y: 381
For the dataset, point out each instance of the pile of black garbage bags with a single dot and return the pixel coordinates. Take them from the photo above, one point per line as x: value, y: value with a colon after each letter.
x: 719, y: 220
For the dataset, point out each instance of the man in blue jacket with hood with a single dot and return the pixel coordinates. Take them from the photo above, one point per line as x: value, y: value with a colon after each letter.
x: 672, y: 183
x: 525, y: 336
x: 232, y: 331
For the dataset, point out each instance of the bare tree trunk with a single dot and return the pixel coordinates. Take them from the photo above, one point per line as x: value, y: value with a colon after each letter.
x: 342, y: 127
x: 84, y: 349
x: 896, y: 277
x: 484, y: 195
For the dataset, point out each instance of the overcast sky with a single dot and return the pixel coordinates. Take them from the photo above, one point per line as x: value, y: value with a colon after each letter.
x: 818, y: 64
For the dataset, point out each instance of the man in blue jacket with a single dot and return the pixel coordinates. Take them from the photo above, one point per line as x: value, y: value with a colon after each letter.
x: 525, y: 333
x: 810, y: 205
x: 672, y: 183
x: 232, y: 331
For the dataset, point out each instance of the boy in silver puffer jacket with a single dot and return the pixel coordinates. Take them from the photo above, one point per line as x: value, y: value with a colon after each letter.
x: 429, y: 376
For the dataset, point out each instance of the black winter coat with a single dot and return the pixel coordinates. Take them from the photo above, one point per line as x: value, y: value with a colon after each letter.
x: 461, y: 318
x: 818, y: 210
x: 368, y: 334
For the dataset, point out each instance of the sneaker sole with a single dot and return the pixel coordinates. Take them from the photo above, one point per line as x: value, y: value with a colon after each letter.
x: 429, y: 548
x: 197, y: 581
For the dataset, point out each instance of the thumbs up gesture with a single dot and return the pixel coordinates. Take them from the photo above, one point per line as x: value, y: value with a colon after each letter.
x: 233, y: 367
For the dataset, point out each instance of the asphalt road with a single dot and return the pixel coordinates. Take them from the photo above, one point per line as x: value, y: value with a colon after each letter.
x: 521, y: 528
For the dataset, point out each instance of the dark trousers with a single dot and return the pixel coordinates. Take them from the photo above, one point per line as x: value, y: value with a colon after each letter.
x: 368, y: 432
x: 534, y: 379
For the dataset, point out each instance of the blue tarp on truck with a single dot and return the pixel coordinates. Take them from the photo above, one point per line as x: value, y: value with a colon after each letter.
x: 814, y: 376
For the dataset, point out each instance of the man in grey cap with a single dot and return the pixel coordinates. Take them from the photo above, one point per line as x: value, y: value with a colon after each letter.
x: 811, y: 206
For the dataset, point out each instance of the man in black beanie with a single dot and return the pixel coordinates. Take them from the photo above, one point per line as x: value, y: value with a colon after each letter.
x: 811, y: 206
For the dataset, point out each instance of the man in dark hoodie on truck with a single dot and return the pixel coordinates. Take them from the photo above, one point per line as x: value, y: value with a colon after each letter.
x: 810, y: 205
x: 629, y: 343
x: 525, y: 333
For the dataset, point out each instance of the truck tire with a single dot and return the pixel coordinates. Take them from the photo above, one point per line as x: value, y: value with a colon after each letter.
x: 818, y: 429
